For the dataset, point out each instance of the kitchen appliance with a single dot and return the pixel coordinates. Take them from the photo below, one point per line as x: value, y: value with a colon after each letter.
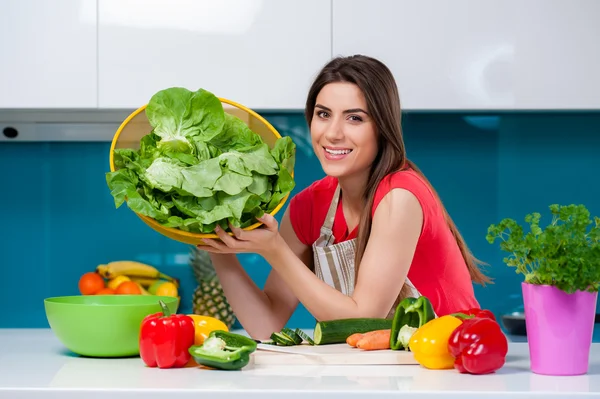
x: 514, y: 323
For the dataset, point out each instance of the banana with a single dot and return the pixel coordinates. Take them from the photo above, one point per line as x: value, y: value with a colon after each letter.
x: 144, y: 281
x: 130, y: 269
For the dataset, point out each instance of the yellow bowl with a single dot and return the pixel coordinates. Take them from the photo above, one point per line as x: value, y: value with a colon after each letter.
x: 136, y: 126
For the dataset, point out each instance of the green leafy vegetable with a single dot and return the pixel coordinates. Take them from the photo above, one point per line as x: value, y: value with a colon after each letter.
x: 565, y: 254
x: 180, y: 116
x: 200, y: 166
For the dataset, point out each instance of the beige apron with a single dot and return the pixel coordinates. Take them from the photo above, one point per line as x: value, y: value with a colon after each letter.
x: 334, y: 263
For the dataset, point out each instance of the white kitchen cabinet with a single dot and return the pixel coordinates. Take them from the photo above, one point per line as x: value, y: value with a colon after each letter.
x: 473, y: 54
x: 48, y: 54
x: 260, y: 53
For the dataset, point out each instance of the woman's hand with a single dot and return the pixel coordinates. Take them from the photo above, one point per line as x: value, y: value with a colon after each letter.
x: 263, y: 241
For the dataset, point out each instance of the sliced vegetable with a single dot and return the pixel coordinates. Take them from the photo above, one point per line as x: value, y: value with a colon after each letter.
x: 282, y: 339
x: 289, y: 337
x: 291, y: 334
x: 204, y: 325
x: 337, y: 331
x: 375, y: 340
x: 412, y: 312
x: 305, y: 336
x: 224, y: 351
x: 405, y: 334
x: 479, y: 346
x: 430, y: 343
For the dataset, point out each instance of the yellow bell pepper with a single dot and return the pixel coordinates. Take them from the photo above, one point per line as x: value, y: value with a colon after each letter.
x: 429, y: 344
x: 204, y: 325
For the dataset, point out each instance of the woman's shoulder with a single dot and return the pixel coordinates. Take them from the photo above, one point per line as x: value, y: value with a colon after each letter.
x: 417, y: 185
x: 407, y: 179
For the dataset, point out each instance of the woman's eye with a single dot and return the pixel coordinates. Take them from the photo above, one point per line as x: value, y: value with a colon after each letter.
x: 322, y: 114
x: 355, y: 118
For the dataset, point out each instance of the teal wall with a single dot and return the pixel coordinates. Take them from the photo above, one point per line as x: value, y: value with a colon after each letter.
x: 58, y: 218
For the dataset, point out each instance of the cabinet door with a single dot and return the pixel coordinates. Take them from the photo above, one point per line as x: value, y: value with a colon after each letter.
x: 472, y: 54
x: 48, y: 52
x: 260, y: 53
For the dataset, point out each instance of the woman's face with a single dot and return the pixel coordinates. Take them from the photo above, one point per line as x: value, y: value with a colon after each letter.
x: 342, y: 132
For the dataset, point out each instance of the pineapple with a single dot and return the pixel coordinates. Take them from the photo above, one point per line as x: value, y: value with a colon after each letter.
x: 209, y: 298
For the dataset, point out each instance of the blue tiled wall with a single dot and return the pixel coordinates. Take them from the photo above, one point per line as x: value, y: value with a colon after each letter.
x: 58, y: 218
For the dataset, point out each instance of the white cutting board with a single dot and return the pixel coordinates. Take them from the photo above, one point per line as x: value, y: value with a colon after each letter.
x: 334, y: 354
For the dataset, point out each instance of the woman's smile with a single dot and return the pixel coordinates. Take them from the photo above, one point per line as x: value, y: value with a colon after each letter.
x: 336, y: 153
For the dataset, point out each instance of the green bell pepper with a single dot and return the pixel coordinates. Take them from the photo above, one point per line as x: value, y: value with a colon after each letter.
x: 411, y: 313
x: 224, y: 351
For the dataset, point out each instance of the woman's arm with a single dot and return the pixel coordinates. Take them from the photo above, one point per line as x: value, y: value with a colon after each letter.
x: 395, y: 231
x: 261, y: 312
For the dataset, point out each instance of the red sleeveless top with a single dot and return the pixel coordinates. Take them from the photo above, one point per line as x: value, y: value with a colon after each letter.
x: 438, y: 270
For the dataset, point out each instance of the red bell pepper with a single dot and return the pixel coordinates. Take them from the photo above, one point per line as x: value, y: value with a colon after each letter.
x: 478, y: 346
x: 165, y: 339
x: 474, y: 312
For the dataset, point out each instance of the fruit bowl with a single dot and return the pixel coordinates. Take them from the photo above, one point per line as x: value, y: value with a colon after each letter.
x: 134, y: 134
x: 102, y: 325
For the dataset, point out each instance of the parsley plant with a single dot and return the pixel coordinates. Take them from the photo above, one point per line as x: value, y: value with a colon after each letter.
x: 564, y: 254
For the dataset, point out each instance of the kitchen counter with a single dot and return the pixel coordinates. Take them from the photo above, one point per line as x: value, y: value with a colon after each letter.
x: 34, y: 364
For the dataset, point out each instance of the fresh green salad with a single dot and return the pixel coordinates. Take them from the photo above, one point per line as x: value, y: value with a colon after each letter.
x: 201, y: 166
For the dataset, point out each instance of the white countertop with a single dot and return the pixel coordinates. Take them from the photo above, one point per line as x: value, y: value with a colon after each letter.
x: 34, y: 364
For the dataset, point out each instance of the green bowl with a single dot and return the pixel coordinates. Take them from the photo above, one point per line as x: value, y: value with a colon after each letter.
x: 102, y: 325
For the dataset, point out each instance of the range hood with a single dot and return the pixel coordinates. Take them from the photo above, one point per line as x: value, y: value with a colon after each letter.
x: 21, y: 125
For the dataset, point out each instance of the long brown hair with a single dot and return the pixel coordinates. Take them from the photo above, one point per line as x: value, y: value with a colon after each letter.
x: 378, y: 86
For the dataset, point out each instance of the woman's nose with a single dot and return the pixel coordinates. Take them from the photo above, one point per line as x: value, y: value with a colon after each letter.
x: 334, y: 132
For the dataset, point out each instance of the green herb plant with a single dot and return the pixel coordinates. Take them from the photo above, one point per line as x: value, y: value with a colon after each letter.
x: 200, y: 166
x: 564, y: 254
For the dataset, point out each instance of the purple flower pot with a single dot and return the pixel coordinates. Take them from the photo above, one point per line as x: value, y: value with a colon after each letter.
x: 559, y: 329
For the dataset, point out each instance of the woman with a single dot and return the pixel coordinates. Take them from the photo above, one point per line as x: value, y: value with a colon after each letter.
x: 370, y: 233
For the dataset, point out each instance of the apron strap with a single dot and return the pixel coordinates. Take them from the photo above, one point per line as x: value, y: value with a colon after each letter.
x: 326, y: 229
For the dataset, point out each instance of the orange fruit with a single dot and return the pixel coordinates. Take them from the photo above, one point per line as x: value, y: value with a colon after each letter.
x: 128, y: 288
x: 90, y: 283
x: 106, y: 291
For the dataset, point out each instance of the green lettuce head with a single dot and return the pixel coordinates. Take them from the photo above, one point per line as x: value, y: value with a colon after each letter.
x: 200, y: 167
x: 180, y: 116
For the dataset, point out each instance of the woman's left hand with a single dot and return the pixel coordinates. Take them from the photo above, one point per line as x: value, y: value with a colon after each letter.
x: 262, y: 240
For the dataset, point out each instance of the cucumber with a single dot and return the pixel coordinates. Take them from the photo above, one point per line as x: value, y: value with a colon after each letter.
x: 291, y: 334
x: 337, y: 331
x: 304, y: 336
x: 282, y: 339
x: 289, y: 337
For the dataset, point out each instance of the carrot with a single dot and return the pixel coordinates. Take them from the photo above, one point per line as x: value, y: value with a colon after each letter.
x: 353, y: 339
x: 374, y: 340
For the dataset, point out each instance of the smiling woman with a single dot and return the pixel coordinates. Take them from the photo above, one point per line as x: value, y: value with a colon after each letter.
x: 369, y: 234
x: 341, y: 131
